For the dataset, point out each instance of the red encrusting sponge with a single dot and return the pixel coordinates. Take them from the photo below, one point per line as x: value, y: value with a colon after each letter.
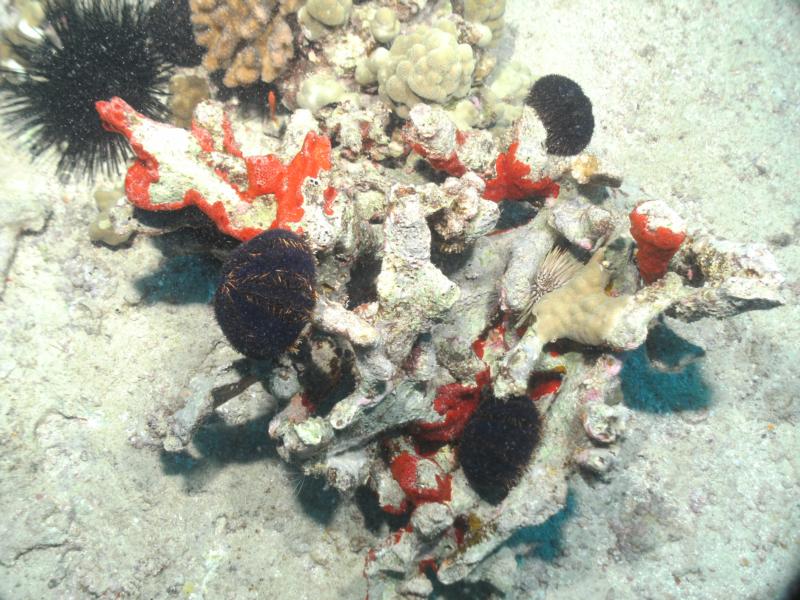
x: 659, y: 231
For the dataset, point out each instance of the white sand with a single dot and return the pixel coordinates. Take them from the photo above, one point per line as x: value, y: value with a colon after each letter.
x: 699, y: 103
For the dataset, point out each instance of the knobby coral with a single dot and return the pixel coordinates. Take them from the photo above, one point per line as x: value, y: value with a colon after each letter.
x: 249, y: 39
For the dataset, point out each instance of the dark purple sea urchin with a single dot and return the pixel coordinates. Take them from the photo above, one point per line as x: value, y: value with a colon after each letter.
x: 497, y: 444
x: 266, y: 294
x: 565, y: 112
x: 92, y: 50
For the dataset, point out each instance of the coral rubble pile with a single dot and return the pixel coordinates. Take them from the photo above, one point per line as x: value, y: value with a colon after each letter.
x: 509, y: 277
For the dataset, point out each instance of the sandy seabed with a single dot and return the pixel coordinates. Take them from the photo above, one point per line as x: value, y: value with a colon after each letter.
x: 699, y: 104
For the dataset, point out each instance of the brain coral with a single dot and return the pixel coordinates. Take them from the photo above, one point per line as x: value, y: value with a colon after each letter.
x: 429, y: 64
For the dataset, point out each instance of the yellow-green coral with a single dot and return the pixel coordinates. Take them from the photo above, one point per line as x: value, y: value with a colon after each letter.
x: 317, y: 15
x: 384, y: 25
x: 488, y: 12
x: 329, y: 12
x: 426, y: 64
x: 318, y: 91
x: 504, y: 95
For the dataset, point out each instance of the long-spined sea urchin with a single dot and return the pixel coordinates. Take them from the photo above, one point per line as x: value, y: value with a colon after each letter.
x: 91, y: 50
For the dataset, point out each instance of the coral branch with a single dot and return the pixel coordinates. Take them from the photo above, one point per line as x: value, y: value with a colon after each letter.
x: 205, y: 168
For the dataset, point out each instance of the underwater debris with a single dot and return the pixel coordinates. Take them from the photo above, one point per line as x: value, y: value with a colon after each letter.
x: 96, y: 49
x: 266, y: 294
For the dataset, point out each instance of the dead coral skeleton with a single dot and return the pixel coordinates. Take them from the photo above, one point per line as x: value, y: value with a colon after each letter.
x: 424, y: 331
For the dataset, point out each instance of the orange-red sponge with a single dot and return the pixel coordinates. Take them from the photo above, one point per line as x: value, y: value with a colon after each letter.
x: 659, y: 231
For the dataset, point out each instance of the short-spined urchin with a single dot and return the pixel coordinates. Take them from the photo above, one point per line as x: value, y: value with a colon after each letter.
x: 497, y: 444
x: 91, y: 50
x: 557, y: 268
x: 267, y: 293
x: 566, y: 113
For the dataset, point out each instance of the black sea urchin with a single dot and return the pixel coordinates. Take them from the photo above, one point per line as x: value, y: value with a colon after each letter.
x: 497, y: 444
x: 170, y: 28
x: 565, y: 112
x: 267, y: 293
x: 92, y: 50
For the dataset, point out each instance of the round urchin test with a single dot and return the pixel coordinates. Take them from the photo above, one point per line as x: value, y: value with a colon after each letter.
x: 266, y: 294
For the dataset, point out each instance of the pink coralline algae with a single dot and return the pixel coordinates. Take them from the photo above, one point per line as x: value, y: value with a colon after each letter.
x: 243, y: 195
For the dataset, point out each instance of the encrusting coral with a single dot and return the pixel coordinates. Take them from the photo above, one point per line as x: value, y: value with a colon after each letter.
x: 249, y: 39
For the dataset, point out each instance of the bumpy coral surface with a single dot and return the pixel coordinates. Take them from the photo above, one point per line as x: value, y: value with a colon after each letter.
x: 249, y: 39
x: 488, y: 12
x: 428, y: 63
x: 329, y: 12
